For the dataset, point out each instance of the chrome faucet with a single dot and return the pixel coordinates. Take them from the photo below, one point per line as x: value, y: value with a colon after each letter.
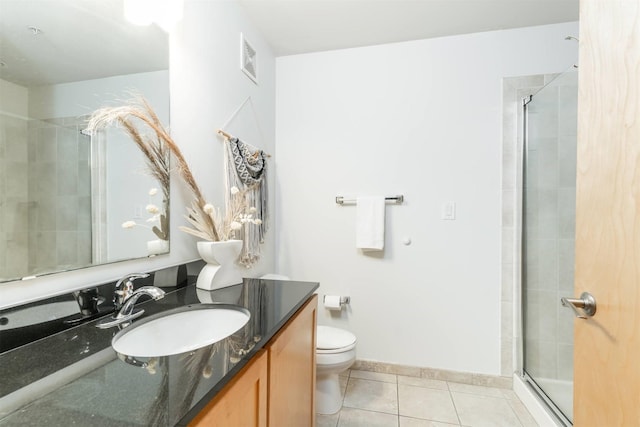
x: 127, y: 312
x: 127, y: 308
x: 124, y: 288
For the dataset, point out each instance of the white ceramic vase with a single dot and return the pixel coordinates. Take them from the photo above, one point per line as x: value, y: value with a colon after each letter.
x: 221, y: 269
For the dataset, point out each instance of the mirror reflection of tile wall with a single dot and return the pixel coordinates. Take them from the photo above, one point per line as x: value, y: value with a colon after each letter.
x: 13, y: 196
x: 45, y: 202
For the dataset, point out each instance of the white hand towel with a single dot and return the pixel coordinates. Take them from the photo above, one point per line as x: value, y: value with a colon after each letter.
x: 370, y: 223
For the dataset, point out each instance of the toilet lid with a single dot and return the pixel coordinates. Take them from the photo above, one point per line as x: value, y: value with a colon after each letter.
x: 329, y: 338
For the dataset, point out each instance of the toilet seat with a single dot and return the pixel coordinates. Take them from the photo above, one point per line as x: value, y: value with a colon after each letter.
x: 334, y: 340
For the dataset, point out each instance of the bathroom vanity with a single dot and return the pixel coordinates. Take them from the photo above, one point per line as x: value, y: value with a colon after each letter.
x: 74, y: 377
x: 276, y: 388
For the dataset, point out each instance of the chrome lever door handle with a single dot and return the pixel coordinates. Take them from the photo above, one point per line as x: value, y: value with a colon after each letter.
x: 582, y: 307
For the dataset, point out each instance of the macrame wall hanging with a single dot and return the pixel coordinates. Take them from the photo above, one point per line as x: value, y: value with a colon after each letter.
x: 246, y: 169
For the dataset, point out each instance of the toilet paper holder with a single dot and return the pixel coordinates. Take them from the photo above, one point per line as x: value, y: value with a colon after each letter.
x: 343, y: 300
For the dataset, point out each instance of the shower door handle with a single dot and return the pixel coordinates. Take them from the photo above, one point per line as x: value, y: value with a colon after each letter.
x: 582, y: 307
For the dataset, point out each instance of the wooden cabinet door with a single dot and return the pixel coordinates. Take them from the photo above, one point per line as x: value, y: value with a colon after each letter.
x: 292, y: 370
x: 243, y: 402
x: 607, y: 345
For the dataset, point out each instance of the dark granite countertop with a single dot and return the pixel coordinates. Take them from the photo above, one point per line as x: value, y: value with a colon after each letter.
x: 77, y: 379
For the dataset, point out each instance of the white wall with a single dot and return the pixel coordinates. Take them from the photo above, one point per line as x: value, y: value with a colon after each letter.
x: 206, y: 87
x: 422, y: 119
x: 14, y: 99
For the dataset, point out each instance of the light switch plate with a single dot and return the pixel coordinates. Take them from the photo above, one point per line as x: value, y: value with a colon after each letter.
x: 449, y: 211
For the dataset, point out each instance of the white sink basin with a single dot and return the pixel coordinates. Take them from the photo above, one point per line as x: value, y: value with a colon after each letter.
x: 180, y: 330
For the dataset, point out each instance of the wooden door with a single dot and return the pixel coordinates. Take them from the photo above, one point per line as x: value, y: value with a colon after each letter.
x: 243, y: 402
x: 607, y: 346
x: 292, y: 370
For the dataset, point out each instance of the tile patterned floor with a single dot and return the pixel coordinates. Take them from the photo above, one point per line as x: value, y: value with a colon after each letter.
x: 386, y: 400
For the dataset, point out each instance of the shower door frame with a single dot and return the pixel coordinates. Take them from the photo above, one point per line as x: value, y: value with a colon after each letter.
x: 523, y: 145
x: 550, y: 404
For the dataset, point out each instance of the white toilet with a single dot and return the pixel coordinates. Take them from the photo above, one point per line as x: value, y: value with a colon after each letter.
x: 335, y: 353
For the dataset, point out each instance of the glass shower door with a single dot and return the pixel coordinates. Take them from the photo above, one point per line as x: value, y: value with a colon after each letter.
x: 548, y: 240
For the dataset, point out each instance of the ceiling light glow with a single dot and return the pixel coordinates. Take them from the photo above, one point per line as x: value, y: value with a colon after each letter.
x: 165, y: 13
x: 168, y: 13
x: 138, y: 12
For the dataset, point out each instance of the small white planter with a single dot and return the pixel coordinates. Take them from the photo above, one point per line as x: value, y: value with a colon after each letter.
x: 157, y: 247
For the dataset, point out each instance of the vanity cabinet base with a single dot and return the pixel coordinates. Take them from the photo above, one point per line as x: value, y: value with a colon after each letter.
x: 243, y: 402
x: 277, y: 387
x: 292, y: 370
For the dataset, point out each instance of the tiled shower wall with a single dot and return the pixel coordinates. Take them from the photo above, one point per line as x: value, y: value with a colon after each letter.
x: 551, y: 214
x: 45, y: 205
x: 14, y: 224
x: 60, y: 193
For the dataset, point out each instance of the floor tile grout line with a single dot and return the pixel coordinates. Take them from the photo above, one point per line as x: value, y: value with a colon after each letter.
x: 454, y: 405
x: 398, y: 400
x: 367, y: 410
x: 515, y: 413
x: 398, y: 415
x: 508, y: 401
x: 480, y: 395
x: 376, y: 380
x: 502, y: 397
x: 343, y: 397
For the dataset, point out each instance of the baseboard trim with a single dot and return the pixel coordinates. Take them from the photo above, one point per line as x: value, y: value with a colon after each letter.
x: 435, y: 374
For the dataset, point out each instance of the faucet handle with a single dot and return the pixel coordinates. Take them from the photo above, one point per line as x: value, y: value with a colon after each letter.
x: 88, y: 300
x: 124, y: 288
x: 127, y: 312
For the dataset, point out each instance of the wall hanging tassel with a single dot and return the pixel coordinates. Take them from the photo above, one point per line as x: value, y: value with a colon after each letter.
x: 246, y: 169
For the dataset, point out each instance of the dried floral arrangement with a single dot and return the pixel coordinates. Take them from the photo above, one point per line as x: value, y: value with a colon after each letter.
x: 237, y: 215
x: 207, y: 222
x: 157, y: 153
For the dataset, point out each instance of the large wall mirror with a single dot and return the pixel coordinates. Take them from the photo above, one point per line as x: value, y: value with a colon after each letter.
x: 64, y: 193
